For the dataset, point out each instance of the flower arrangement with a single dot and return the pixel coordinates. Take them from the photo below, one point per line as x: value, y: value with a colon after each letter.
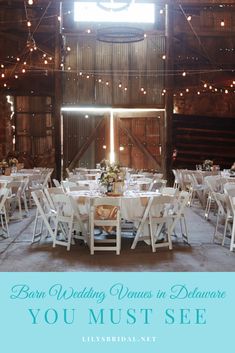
x: 13, y: 162
x: 111, y: 174
x: 207, y: 164
x: 3, y: 164
x: 104, y: 164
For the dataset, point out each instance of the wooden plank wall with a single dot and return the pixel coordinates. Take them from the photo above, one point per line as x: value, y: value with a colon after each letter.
x: 147, y: 149
x: 76, y: 131
x: 113, y: 74
x: 34, y: 130
x: 197, y: 138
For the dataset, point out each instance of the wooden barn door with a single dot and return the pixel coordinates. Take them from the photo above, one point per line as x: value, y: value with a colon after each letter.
x: 85, y: 138
x: 138, y: 142
x: 34, y: 131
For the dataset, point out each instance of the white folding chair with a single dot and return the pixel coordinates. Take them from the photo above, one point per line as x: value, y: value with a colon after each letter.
x: 44, y: 214
x: 55, y: 190
x: 214, y: 184
x: 105, y: 212
x: 160, y: 218
x: 143, y: 233
x: 3, y: 216
x: 17, y: 195
x: 178, y: 215
x: 68, y: 220
x: 176, y: 184
x: 229, y: 189
x: 222, y: 213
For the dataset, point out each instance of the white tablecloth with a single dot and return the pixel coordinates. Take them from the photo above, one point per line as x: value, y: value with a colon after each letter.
x: 132, y: 204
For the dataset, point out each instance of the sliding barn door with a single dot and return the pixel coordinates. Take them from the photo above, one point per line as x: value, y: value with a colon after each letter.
x: 84, y: 139
x: 138, y: 142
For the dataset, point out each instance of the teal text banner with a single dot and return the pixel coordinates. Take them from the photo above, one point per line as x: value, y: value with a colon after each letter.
x: 115, y: 312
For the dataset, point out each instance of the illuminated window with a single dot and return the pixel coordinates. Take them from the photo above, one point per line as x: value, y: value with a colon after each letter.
x: 114, y: 12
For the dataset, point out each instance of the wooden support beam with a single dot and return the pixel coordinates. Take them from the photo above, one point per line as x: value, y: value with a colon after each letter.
x: 167, y: 146
x: 58, y: 99
x: 82, y: 149
x: 136, y: 142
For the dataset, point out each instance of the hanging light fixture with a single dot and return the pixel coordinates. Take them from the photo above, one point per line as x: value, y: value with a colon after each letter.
x: 117, y: 34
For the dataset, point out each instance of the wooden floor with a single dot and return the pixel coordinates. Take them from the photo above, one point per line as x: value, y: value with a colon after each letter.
x: 18, y: 254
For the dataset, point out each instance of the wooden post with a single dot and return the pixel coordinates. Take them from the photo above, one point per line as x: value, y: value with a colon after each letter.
x: 168, y: 148
x: 58, y: 93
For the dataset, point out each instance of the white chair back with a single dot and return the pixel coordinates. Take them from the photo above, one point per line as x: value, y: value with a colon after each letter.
x: 3, y: 215
x: 105, y: 213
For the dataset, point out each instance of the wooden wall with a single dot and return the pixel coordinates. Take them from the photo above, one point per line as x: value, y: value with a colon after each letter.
x: 114, y: 74
x: 197, y: 138
x: 35, y: 130
x: 117, y: 75
x: 83, y: 139
x: 6, y: 131
x: 140, y: 140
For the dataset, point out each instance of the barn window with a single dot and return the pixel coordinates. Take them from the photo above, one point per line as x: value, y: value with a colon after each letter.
x: 113, y: 11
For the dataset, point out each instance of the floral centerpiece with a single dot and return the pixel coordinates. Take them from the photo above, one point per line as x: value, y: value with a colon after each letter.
x: 111, y: 175
x: 13, y: 162
x: 207, y: 164
x: 3, y: 164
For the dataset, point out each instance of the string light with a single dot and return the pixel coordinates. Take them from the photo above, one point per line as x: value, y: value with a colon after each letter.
x: 189, y: 18
x: 29, y: 24
x: 222, y: 23
x: 30, y: 2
